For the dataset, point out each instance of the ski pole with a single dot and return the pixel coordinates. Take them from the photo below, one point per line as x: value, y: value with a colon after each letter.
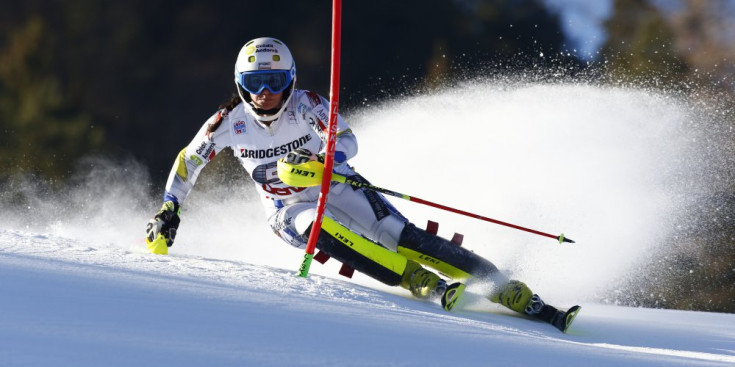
x: 310, y: 174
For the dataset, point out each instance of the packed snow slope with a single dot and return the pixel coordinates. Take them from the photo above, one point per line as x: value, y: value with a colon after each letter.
x: 67, y: 302
x: 596, y: 163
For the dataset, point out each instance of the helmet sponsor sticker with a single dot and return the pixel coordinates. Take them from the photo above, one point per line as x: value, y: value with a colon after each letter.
x: 266, y: 48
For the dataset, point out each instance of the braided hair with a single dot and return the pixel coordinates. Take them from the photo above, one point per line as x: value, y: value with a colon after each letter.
x: 224, y: 109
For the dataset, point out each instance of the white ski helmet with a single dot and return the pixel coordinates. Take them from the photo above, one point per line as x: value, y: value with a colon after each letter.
x: 265, y: 63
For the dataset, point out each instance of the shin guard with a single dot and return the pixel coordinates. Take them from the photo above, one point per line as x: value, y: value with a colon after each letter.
x: 384, y: 265
x: 360, y: 253
x: 443, y: 255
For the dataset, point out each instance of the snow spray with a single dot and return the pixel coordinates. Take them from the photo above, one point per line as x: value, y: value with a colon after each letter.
x: 611, y: 167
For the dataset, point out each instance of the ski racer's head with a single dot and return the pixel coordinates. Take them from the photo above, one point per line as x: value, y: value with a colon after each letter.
x: 265, y: 76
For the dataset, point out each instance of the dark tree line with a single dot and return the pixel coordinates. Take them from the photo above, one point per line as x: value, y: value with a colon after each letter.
x: 687, y: 48
x: 137, y: 77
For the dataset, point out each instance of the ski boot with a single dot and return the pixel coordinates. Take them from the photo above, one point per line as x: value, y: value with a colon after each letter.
x: 425, y: 284
x: 514, y: 295
x: 518, y: 297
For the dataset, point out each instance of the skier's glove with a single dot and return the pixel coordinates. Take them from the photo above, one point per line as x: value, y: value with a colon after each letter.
x: 161, y: 230
x: 302, y: 155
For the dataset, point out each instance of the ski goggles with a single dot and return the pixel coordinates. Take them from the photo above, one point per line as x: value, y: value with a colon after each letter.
x: 276, y: 81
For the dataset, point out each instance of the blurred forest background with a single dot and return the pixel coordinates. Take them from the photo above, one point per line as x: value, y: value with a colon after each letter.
x: 135, y: 79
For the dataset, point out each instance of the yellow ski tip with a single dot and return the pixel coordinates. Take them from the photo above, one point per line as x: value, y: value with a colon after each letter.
x: 453, y: 296
x: 571, y: 315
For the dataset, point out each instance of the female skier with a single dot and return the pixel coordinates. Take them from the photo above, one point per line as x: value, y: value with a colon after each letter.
x: 268, y: 120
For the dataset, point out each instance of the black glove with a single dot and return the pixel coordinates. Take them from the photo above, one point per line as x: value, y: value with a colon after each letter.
x: 161, y: 230
x: 301, y: 155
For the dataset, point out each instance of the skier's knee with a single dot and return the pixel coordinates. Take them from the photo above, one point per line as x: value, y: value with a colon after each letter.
x: 292, y: 223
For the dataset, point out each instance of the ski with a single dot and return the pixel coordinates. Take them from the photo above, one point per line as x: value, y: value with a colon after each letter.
x: 547, y: 313
x: 453, y: 295
x: 562, y: 320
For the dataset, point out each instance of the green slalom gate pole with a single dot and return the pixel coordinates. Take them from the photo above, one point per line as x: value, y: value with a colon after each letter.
x: 331, y: 139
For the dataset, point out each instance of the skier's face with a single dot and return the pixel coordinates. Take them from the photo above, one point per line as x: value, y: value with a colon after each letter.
x: 267, y: 100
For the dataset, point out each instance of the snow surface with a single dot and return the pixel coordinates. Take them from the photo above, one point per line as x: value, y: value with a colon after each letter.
x: 78, y: 289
